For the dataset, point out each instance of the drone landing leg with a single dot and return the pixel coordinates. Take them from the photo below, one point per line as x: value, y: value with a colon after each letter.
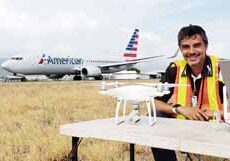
x: 152, y: 120
x: 124, y: 108
x: 154, y: 111
x: 119, y: 100
x: 149, y: 111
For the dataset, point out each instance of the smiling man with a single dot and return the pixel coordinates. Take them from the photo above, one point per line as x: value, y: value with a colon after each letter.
x: 203, y: 96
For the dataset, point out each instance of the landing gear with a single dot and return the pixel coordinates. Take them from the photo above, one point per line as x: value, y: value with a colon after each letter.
x: 100, y: 77
x: 81, y: 77
x: 77, y: 77
x: 23, y: 79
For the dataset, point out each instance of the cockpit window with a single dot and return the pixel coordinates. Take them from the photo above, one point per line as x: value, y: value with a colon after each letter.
x: 16, y: 58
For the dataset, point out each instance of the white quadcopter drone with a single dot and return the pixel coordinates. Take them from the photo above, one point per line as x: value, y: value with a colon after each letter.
x: 135, y: 94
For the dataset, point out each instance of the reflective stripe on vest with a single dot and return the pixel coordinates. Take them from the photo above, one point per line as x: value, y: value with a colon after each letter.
x: 209, y: 88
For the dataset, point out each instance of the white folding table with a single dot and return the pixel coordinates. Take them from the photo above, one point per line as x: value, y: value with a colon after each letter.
x: 198, y: 137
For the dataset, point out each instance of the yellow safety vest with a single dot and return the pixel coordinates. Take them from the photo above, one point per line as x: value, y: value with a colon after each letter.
x: 209, y: 89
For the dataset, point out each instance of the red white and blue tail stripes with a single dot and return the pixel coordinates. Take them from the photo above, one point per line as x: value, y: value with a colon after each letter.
x: 131, y: 49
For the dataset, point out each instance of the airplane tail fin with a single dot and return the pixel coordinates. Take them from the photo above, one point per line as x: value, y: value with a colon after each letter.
x: 131, y: 49
x: 175, y: 54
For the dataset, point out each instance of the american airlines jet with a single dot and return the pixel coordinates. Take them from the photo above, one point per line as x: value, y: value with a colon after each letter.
x: 57, y: 67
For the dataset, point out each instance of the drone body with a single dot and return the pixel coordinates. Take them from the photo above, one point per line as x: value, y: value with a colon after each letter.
x: 134, y: 92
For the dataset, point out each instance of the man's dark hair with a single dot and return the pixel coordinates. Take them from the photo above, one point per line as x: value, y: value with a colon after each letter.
x: 191, y: 30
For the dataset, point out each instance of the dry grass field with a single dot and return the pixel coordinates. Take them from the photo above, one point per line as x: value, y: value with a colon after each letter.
x: 32, y: 112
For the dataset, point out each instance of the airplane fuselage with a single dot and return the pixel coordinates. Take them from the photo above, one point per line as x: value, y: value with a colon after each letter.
x: 29, y: 65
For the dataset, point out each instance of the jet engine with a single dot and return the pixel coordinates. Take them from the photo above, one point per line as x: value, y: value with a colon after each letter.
x: 91, y: 71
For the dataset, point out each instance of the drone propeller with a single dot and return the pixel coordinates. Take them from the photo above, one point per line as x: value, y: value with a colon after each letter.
x: 166, y: 84
x: 163, y: 86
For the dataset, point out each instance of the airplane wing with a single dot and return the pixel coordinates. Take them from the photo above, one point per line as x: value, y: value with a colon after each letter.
x: 131, y: 62
x: 135, y: 61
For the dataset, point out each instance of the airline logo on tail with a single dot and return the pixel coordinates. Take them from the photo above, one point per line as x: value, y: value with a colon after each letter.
x: 59, y: 60
x: 131, y: 49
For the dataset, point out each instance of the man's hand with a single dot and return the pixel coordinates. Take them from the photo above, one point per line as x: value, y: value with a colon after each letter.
x: 208, y: 113
x: 192, y: 113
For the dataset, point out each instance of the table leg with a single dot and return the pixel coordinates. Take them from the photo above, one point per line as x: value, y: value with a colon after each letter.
x: 132, y: 156
x: 75, y: 148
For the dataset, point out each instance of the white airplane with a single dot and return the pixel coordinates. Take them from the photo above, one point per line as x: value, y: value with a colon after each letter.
x: 57, y: 67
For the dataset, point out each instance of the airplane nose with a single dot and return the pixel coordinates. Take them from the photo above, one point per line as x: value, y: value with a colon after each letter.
x: 3, y: 65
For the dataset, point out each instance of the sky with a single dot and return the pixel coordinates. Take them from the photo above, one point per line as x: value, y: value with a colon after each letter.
x: 101, y: 28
